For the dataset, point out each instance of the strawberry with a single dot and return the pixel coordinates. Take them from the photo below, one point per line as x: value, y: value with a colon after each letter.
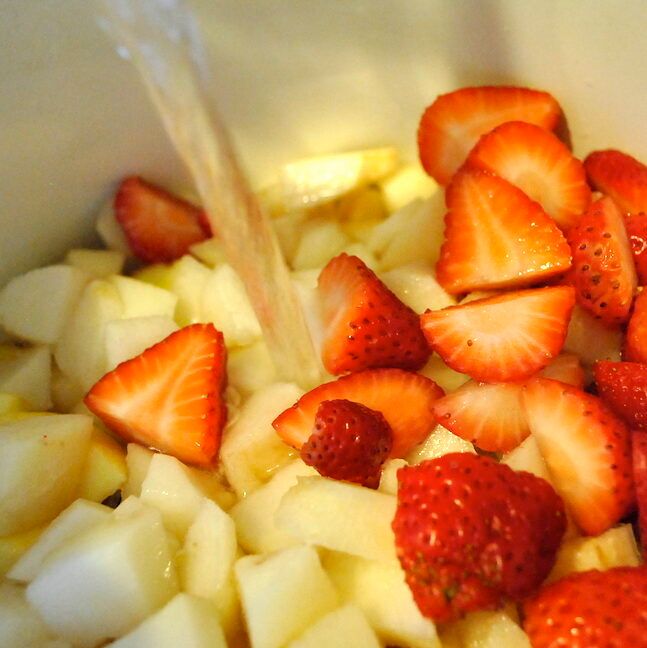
x: 635, y: 347
x: 623, y: 386
x: 470, y: 531
x: 587, y: 451
x: 536, y: 161
x: 620, y: 176
x: 636, y: 225
x: 169, y: 397
x: 451, y: 125
x: 496, y: 237
x: 503, y: 338
x: 349, y: 442
x: 639, y: 453
x: 603, y: 271
x: 404, y: 399
x: 159, y: 227
x: 591, y: 609
x: 365, y: 325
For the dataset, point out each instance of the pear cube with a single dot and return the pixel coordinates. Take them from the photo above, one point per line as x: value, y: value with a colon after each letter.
x: 28, y: 373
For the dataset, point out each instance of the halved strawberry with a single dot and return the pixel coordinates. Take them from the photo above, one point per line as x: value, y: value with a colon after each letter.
x: 603, y: 271
x: 496, y: 237
x: 536, y: 161
x: 623, y: 386
x: 503, y: 338
x: 365, y: 325
x: 159, y: 227
x: 639, y: 453
x: 451, y: 125
x: 405, y: 400
x: 491, y: 416
x: 636, y: 225
x: 635, y: 348
x: 587, y: 451
x: 349, y: 442
x: 169, y: 397
x: 620, y: 176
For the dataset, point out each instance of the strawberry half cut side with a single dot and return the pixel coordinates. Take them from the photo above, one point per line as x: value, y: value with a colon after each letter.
x: 453, y: 123
x: 170, y: 397
x: 504, y: 338
x: 405, y: 400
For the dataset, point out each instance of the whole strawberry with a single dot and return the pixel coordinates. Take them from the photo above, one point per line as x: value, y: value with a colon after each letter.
x: 623, y: 386
x: 470, y: 531
x: 350, y: 442
x: 590, y: 610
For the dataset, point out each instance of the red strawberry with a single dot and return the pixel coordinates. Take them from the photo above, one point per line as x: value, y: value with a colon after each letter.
x: 503, y: 338
x: 451, y: 126
x: 349, y: 442
x: 170, y: 396
x: 587, y: 451
x: 496, y: 237
x: 635, y: 348
x: 470, y: 531
x: 366, y: 325
x: 623, y: 386
x: 492, y: 416
x: 639, y: 453
x: 566, y: 367
x: 636, y: 225
x: 603, y: 271
x: 159, y: 227
x: 404, y: 399
x: 536, y: 161
x: 620, y: 176
x: 592, y: 609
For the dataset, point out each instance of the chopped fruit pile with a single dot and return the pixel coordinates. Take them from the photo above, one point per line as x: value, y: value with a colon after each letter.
x: 471, y: 471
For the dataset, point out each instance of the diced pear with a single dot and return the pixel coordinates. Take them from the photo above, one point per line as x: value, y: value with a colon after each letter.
x: 141, y: 299
x: 205, y: 564
x: 66, y: 392
x: 20, y: 625
x: 486, y: 630
x: 254, y: 515
x: 105, y: 468
x: 413, y: 234
x: 176, y: 490
x: 440, y: 442
x: 97, y: 263
x: 379, y: 590
x: 121, y: 567
x: 109, y: 229
x: 12, y: 403
x: 12, y: 547
x: 345, y: 627
x: 316, y: 180
x: 80, y: 352
x: 415, y: 285
x: 316, y: 511
x: 138, y: 460
x: 526, y: 456
x: 127, y: 338
x: 616, y: 547
x: 250, y: 368
x: 288, y: 229
x: 321, y: 240
x: 28, y: 373
x: 443, y: 375
x: 305, y: 288
x: 365, y: 205
x: 211, y: 252
x: 406, y: 185
x: 80, y: 516
x: 185, y: 278
x: 185, y: 621
x: 226, y: 304
x: 55, y: 448
x: 251, y: 450
x: 389, y: 478
x: 35, y: 306
x: 362, y: 252
x: 270, y: 586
